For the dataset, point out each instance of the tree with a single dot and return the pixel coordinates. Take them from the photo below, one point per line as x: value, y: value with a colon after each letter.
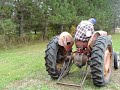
x: 55, y: 16
x: 63, y: 13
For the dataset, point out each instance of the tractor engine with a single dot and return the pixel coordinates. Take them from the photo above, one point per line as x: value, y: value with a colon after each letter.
x: 82, y: 54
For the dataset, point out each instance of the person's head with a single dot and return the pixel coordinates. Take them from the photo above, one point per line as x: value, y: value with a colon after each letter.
x: 92, y: 20
x: 84, y: 31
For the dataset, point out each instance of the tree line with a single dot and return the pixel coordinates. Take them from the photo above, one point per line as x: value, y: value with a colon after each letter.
x: 26, y: 20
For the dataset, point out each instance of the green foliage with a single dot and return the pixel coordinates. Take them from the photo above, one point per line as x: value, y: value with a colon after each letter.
x: 63, y: 12
x: 101, y: 10
x: 103, y: 15
x: 7, y: 32
x: 7, y: 26
x: 6, y: 9
x: 50, y: 33
x: 50, y: 17
x: 72, y: 30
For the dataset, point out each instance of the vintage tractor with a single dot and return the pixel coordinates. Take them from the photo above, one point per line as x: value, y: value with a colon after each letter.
x: 97, y: 54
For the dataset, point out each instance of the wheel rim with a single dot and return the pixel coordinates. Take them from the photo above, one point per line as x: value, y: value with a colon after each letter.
x: 59, y: 65
x: 60, y: 62
x: 107, y: 62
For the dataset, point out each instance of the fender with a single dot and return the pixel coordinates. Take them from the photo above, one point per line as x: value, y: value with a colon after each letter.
x: 94, y: 37
x: 66, y: 40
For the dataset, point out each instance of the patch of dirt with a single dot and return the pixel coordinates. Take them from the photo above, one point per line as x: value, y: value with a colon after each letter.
x: 22, y: 84
x: 116, y: 76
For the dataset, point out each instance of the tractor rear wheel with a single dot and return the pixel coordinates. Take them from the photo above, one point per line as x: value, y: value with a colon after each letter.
x: 54, y: 58
x: 101, y: 61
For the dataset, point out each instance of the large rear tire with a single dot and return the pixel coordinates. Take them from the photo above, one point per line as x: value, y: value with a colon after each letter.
x: 101, y: 61
x: 54, y: 58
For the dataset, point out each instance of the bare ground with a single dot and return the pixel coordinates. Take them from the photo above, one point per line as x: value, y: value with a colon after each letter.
x: 116, y: 76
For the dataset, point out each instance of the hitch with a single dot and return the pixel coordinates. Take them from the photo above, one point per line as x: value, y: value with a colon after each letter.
x: 65, y: 69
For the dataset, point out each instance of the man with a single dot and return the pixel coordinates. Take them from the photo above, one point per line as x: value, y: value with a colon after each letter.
x: 85, y: 29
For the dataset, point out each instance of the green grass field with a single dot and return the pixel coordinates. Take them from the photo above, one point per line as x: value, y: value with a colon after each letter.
x: 23, y: 69
x: 20, y: 63
x: 116, y: 42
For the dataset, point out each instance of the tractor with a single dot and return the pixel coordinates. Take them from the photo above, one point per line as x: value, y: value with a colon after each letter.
x: 97, y: 54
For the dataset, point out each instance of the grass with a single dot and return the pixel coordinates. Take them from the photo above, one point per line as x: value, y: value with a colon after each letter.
x: 19, y: 63
x: 116, y: 42
x: 23, y: 69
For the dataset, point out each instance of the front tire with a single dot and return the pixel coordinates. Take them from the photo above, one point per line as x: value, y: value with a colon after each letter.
x: 101, y: 61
